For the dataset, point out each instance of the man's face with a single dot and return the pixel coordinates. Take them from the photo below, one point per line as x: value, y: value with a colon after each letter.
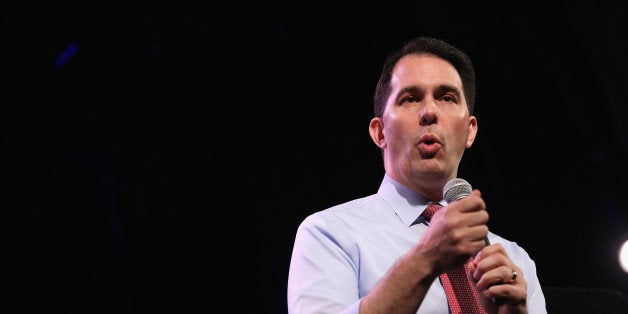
x: 426, y: 125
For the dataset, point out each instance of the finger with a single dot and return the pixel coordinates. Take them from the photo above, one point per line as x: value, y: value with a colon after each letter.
x: 487, y: 263
x: 475, y: 218
x: 513, y: 293
x: 471, y: 203
x: 490, y: 250
x: 496, y: 276
x: 478, y: 233
x: 465, y: 236
x: 457, y: 216
x: 476, y: 245
x: 471, y: 268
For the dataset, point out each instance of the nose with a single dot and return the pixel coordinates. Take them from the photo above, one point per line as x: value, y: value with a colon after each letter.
x: 427, y: 115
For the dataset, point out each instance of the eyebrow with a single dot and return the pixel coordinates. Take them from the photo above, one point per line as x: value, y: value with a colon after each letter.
x: 443, y: 88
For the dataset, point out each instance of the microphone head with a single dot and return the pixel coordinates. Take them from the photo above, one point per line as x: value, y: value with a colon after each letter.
x: 456, y: 189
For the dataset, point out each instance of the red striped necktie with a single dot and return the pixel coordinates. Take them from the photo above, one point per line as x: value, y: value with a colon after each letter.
x: 462, y: 296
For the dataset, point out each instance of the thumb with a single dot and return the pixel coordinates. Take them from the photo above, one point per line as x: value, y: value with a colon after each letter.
x: 471, y: 267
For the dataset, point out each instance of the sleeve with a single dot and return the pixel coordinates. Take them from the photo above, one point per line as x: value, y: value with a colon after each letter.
x: 536, y: 298
x: 322, y: 277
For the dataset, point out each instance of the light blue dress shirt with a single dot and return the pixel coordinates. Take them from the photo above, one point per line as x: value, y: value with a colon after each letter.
x: 340, y: 253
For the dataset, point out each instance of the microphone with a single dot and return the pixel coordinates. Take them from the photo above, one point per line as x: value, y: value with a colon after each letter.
x: 454, y: 190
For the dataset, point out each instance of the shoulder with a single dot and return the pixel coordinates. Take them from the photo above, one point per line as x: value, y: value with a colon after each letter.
x: 346, y: 210
x: 356, y: 213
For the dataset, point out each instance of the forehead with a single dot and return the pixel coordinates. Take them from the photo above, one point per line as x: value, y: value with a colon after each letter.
x: 425, y: 71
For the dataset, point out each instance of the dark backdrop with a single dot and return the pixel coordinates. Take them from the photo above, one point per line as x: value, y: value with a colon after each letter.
x: 165, y: 164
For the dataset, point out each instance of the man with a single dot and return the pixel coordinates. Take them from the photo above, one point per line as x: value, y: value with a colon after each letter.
x: 369, y: 255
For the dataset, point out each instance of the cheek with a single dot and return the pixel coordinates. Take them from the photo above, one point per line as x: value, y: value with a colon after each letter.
x: 461, y: 124
x: 391, y: 125
x: 463, y: 130
x: 401, y: 129
x: 460, y: 133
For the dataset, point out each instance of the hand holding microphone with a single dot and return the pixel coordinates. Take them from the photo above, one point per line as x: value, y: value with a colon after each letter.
x: 456, y: 189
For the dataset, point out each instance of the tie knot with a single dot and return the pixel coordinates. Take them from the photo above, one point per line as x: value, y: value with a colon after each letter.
x: 430, y: 210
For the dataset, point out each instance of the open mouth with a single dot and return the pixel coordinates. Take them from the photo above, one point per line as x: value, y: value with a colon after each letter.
x: 429, y: 140
x: 429, y: 146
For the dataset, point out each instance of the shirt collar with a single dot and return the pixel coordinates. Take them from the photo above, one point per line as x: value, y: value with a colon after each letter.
x: 407, y: 204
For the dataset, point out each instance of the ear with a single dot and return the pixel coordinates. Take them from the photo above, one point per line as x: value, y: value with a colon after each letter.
x: 473, y: 130
x: 376, y: 130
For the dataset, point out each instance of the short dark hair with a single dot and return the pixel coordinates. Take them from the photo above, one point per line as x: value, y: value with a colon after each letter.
x: 431, y: 46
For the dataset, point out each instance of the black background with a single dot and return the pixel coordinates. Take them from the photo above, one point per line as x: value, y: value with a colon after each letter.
x: 166, y: 165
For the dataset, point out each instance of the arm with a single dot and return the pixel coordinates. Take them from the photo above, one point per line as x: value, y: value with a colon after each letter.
x: 322, y: 276
x: 404, y: 287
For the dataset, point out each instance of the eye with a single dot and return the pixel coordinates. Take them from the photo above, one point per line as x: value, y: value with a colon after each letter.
x: 448, y: 98
x: 409, y: 99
